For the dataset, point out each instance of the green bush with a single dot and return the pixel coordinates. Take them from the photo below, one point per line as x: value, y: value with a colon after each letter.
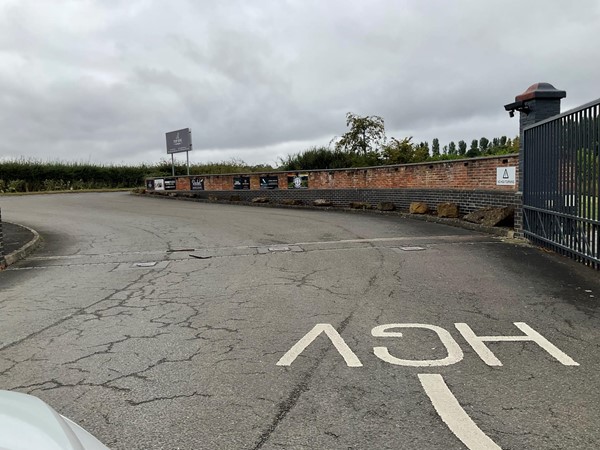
x: 23, y: 175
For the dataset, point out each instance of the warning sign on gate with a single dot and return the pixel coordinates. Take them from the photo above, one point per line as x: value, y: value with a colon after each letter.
x: 506, y: 176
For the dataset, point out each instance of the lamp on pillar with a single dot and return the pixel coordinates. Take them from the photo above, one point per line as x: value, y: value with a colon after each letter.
x: 538, y: 102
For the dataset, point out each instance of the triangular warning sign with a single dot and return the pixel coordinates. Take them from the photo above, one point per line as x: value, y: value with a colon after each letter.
x: 505, y: 176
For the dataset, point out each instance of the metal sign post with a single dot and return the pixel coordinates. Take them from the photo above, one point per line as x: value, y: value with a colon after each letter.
x: 187, y: 157
x: 179, y: 141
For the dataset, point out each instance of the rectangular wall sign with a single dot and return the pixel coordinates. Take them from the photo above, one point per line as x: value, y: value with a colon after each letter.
x: 506, y: 176
x: 241, y: 183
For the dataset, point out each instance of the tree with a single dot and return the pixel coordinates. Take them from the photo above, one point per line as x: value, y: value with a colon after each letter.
x: 484, y: 144
x: 515, y: 145
x: 398, y: 152
x: 435, y: 147
x: 452, y: 148
x: 474, y: 150
x: 366, y: 135
x: 462, y: 148
x: 317, y: 158
x: 421, y: 152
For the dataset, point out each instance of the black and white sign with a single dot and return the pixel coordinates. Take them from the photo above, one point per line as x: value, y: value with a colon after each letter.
x: 150, y: 185
x: 269, y: 182
x: 298, y: 181
x: 179, y: 141
x: 197, y: 183
x: 170, y: 184
x: 159, y: 184
x: 241, y: 183
x: 506, y: 176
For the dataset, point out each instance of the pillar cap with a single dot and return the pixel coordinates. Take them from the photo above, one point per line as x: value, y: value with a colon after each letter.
x: 540, y: 90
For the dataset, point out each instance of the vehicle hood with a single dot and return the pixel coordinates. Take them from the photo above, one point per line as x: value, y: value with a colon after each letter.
x: 26, y: 423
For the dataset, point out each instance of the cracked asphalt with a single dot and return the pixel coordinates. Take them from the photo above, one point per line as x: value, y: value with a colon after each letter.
x: 182, y: 354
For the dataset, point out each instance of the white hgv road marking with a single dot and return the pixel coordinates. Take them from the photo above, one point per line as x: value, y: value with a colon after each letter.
x: 477, y: 342
x: 339, y: 343
x: 455, y: 354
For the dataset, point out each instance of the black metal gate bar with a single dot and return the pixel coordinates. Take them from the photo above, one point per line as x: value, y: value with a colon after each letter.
x: 561, y: 183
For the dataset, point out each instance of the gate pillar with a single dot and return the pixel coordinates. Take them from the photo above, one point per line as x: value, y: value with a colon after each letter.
x: 2, y: 262
x: 539, y: 102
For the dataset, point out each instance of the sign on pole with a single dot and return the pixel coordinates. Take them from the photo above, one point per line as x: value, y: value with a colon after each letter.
x: 179, y: 141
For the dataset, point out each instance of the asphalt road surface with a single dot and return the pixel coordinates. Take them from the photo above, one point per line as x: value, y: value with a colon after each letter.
x: 296, y: 329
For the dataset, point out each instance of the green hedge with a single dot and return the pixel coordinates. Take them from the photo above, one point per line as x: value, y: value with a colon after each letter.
x: 31, y: 176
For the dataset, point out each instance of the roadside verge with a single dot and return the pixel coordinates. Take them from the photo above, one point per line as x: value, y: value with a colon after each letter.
x: 24, y: 240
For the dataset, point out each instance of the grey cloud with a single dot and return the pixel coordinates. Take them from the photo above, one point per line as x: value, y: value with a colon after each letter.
x: 107, y: 79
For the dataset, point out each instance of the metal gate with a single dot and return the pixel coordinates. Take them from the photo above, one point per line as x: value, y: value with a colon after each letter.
x: 561, y: 179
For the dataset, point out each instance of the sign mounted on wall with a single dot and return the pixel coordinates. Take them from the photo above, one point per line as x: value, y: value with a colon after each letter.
x: 506, y: 176
x: 269, y: 182
x: 170, y: 184
x: 297, y: 181
x: 197, y: 184
x: 241, y: 183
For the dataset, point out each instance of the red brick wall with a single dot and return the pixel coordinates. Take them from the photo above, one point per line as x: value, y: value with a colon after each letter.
x: 464, y: 174
x: 474, y: 173
x: 183, y: 184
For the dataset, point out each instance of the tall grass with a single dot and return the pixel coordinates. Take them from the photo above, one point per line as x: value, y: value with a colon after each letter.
x: 28, y: 175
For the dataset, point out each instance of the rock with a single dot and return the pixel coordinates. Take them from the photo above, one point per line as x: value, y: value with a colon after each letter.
x: 360, y: 205
x: 322, y: 202
x: 291, y: 201
x: 447, y: 210
x: 386, y: 206
x: 235, y: 198
x: 418, y: 208
x: 492, y: 216
x: 260, y: 200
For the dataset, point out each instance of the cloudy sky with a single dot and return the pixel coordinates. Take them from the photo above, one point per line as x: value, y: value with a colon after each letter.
x: 103, y: 80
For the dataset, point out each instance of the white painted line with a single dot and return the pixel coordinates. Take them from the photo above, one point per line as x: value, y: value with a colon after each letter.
x: 145, y: 264
x: 445, y: 237
x: 337, y: 340
x: 453, y: 415
x: 412, y: 249
x: 477, y: 342
x: 130, y: 266
x: 279, y: 249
